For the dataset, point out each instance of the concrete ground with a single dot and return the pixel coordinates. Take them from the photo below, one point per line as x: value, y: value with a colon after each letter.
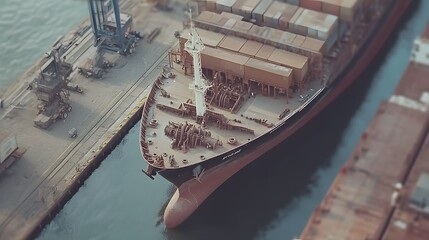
x: 33, y: 183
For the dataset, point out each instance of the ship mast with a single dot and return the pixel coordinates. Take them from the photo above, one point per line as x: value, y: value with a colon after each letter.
x: 194, y: 46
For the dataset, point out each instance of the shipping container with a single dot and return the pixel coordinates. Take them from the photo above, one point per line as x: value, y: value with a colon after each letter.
x: 294, y: 61
x: 211, y: 5
x: 245, y: 8
x: 286, y: 16
x: 311, y: 48
x: 316, y: 25
x: 287, y: 38
x: 215, y: 19
x: 293, y: 2
x: 227, y: 23
x: 314, y: 44
x: 331, y: 8
x: 242, y: 26
x: 265, y: 52
x: 273, y: 14
x: 263, y: 32
x: 225, y: 5
x: 224, y: 61
x: 298, y: 40
x: 346, y: 10
x: 236, y: 7
x: 250, y: 48
x: 267, y: 73
x: 231, y: 15
x: 296, y: 15
x: 274, y: 35
x: 205, y: 16
x: 260, y: 9
x: 232, y: 43
x: 8, y: 145
x: 315, y: 5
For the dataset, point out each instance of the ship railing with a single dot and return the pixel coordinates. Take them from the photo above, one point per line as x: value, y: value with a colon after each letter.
x: 144, y: 119
x: 297, y: 109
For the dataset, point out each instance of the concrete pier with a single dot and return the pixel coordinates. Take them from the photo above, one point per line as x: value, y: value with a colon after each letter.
x: 35, y: 187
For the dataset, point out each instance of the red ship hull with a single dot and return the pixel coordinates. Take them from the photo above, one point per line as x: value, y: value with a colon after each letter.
x: 192, y: 193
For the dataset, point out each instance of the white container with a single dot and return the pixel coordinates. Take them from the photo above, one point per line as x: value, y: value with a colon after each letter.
x: 225, y: 5
x: 258, y: 12
x: 7, y: 146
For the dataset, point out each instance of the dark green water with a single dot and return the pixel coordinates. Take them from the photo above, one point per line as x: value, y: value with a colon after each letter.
x: 270, y: 199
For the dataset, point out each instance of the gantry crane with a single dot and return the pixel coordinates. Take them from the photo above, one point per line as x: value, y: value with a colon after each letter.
x: 112, y: 29
x: 112, y: 32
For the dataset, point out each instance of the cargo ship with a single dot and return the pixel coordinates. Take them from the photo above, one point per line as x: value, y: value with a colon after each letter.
x: 246, y: 75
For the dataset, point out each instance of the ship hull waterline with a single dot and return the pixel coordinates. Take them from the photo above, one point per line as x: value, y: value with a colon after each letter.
x: 196, y: 183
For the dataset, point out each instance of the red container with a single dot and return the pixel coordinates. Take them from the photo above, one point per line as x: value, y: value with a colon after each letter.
x: 312, y: 4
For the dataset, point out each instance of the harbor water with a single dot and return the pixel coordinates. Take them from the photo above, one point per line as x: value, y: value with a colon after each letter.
x: 271, y: 199
x: 28, y: 30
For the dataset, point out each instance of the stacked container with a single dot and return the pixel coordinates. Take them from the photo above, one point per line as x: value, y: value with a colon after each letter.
x: 226, y: 22
x: 223, y: 60
x: 294, y: 2
x: 345, y: 9
x: 211, y: 5
x: 250, y: 48
x: 258, y: 12
x: 224, y: 5
x: 286, y: 16
x: 276, y: 11
x: 245, y: 8
x: 315, y: 5
x: 297, y: 62
x: 317, y: 25
x: 267, y: 73
x: 232, y: 43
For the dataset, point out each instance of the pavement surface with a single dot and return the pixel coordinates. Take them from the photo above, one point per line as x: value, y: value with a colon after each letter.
x: 32, y: 185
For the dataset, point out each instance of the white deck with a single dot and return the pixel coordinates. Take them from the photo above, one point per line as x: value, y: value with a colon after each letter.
x: 258, y: 106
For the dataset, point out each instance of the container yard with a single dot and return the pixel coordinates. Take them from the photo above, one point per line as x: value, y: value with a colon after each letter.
x: 381, y: 191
